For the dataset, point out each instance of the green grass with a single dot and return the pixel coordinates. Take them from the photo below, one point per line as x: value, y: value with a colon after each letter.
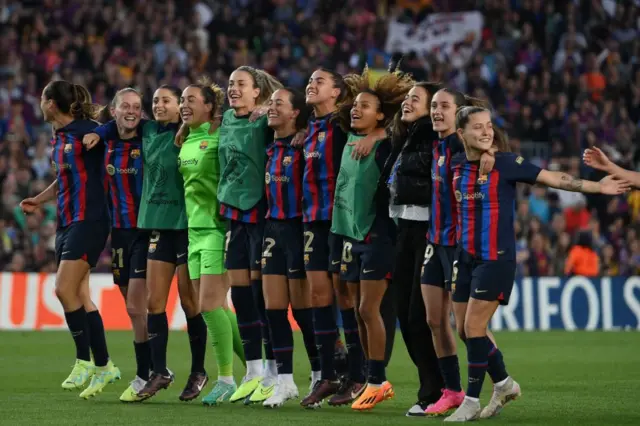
x: 567, y: 378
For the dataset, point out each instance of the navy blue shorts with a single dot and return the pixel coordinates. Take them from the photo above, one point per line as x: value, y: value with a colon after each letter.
x: 490, y: 280
x: 322, y: 248
x: 128, y: 255
x: 81, y: 240
x: 438, y: 265
x: 283, y: 248
x: 243, y: 249
x: 371, y: 259
x: 169, y: 245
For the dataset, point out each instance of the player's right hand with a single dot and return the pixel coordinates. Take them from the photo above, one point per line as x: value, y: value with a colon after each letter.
x: 29, y: 205
x: 90, y: 140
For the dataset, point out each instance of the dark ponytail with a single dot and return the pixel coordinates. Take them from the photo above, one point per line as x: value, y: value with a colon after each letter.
x: 72, y: 99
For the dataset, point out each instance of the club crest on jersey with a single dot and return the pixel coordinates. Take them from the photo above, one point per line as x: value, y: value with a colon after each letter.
x: 135, y: 153
x: 286, y: 160
x: 68, y: 148
x: 458, y: 196
x: 204, y: 145
x: 267, y: 178
x: 519, y: 160
x: 111, y: 170
x: 441, y: 161
x: 152, y: 247
x: 322, y: 136
x: 483, y: 179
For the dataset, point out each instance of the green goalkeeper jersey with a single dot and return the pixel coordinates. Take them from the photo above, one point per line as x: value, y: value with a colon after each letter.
x: 200, y: 168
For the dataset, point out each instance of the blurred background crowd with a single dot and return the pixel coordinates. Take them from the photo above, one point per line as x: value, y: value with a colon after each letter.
x: 562, y: 76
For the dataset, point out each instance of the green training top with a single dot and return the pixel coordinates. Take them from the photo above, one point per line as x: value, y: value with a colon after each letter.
x: 242, y: 160
x: 162, y: 203
x: 199, y: 164
x: 354, y: 208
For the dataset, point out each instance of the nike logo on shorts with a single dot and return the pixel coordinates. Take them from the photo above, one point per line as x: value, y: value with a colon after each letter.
x: 481, y: 291
x: 367, y: 271
x: 65, y: 252
x: 291, y: 271
x: 335, y: 263
x: 180, y: 255
x: 139, y: 270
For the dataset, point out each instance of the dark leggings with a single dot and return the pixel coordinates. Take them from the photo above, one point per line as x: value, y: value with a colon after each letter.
x: 410, y: 247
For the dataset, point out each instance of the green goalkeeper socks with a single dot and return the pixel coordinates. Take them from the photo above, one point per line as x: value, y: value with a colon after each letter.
x: 220, y: 331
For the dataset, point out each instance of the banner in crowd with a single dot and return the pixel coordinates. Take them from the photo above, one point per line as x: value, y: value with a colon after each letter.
x: 28, y: 302
x: 441, y: 33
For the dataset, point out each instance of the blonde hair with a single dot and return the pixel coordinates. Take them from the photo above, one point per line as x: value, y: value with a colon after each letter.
x: 264, y: 81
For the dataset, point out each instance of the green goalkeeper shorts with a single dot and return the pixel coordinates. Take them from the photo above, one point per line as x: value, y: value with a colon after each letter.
x: 206, y: 252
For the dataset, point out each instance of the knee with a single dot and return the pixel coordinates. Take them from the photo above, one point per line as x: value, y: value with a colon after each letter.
x: 366, y: 313
x: 189, y: 307
x: 474, y: 329
x: 64, y: 295
x: 435, y: 323
x: 136, y: 310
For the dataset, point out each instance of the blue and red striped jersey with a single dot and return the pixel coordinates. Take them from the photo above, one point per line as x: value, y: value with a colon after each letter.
x: 283, y: 179
x: 444, y: 216
x: 80, y: 175
x: 123, y: 162
x: 486, y: 207
x: 323, y: 148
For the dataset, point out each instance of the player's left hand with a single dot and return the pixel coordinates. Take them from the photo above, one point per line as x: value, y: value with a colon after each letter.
x: 257, y: 113
x: 298, y: 139
x: 90, y: 140
x: 487, y: 161
x: 182, y: 134
x: 362, y: 147
x: 594, y: 157
x: 612, y: 185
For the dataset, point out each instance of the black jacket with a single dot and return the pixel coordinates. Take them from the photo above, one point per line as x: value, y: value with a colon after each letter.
x: 412, y: 183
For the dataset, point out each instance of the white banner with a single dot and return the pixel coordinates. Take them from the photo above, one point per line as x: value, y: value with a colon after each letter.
x: 451, y: 36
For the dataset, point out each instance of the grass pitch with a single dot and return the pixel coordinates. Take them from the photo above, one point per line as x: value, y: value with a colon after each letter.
x: 567, y: 378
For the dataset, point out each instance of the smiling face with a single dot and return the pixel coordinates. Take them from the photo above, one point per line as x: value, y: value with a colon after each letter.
x: 478, y: 132
x: 321, y: 88
x: 415, y: 105
x: 165, y: 106
x: 281, y: 112
x: 127, y: 111
x: 443, y: 112
x: 242, y: 91
x: 193, y: 110
x: 365, y: 113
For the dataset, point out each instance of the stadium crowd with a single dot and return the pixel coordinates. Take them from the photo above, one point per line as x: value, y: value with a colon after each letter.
x: 562, y: 76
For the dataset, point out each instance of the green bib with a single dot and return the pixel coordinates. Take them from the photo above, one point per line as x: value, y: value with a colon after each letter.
x: 354, y: 207
x: 242, y: 160
x: 162, y: 203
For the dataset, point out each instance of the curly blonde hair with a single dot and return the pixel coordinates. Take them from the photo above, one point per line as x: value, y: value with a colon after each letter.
x: 390, y: 89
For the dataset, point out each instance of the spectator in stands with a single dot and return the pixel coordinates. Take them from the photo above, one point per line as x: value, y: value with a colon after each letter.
x: 561, y: 76
x: 583, y: 260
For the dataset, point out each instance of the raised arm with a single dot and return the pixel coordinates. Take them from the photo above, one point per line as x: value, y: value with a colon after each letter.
x: 594, y: 157
x: 561, y: 180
